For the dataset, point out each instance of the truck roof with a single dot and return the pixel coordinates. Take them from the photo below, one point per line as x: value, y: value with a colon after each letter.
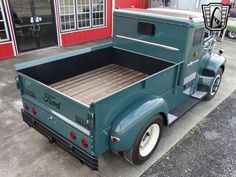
x: 185, y: 16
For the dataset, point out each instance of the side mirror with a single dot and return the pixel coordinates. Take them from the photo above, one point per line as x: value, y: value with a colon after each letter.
x: 221, y: 51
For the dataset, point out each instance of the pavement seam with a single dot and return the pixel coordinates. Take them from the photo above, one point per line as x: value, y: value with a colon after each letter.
x: 16, y: 133
x: 9, y: 103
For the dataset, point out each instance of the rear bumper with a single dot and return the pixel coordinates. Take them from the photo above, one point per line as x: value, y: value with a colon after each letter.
x: 89, y: 160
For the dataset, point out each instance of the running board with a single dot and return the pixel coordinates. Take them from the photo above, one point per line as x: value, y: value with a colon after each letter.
x: 199, y: 95
x: 181, y: 109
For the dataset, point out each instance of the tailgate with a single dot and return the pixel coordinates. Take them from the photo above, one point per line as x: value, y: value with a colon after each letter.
x: 68, y: 110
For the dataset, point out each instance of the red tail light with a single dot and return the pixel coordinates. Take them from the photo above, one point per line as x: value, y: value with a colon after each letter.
x: 34, y: 111
x: 115, y: 139
x: 72, y: 135
x: 84, y: 143
x: 26, y: 107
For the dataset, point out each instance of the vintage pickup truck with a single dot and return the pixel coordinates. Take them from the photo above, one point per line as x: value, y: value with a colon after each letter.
x: 119, y: 95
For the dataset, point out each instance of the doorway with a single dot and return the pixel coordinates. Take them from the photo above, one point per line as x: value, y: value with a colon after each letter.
x: 34, y: 23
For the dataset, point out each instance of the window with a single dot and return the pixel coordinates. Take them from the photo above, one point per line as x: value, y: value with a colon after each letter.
x: 198, y: 36
x: 98, y: 12
x: 89, y: 14
x: 146, y: 28
x: 4, y: 35
x: 84, y: 12
x: 67, y: 14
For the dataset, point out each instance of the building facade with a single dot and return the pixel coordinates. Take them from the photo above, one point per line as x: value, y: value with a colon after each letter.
x: 33, y: 24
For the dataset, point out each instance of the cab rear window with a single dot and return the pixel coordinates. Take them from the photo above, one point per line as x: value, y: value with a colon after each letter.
x: 146, y: 28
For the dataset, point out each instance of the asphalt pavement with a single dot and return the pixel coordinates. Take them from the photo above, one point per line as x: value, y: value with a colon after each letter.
x: 209, y: 150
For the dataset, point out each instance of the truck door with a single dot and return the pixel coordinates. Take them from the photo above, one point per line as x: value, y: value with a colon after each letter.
x: 192, y: 61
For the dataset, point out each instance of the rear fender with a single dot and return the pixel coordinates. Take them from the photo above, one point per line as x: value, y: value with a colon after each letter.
x: 130, y: 121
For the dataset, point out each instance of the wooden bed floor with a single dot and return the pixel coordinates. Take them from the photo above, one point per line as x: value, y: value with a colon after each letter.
x: 95, y: 84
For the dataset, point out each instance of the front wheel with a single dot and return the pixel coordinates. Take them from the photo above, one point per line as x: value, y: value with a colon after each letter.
x: 215, y: 85
x: 146, y: 141
x: 232, y: 35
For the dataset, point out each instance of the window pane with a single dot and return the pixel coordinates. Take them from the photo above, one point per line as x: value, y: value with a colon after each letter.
x: 3, y: 25
x: 146, y: 28
x: 3, y: 35
x: 83, y: 12
x: 98, y: 12
x: 1, y: 16
x: 67, y: 14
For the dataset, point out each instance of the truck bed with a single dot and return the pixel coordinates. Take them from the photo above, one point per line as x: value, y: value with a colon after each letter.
x: 87, y: 77
x: 93, y: 85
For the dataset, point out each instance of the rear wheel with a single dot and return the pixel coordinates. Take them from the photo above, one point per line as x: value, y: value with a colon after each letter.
x: 146, y: 141
x: 215, y: 85
x: 232, y: 35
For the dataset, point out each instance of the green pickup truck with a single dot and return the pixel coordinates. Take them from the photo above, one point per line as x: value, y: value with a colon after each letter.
x: 119, y: 95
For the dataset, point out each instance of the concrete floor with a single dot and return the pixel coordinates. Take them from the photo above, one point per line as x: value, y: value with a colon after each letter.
x: 24, y: 152
x: 207, y: 151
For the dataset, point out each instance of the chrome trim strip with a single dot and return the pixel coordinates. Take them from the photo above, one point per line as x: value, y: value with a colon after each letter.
x: 149, y: 43
x: 192, y: 63
x: 153, y: 57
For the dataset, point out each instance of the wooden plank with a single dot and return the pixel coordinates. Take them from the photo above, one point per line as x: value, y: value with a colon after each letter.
x: 93, y: 79
x: 98, y: 71
x: 98, y: 83
x: 88, y: 100
x: 104, y: 84
x: 113, y: 86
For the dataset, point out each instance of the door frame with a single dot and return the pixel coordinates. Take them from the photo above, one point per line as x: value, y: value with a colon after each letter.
x: 54, y: 24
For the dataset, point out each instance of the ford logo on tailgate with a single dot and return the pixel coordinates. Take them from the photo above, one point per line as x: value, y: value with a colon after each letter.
x: 52, y: 101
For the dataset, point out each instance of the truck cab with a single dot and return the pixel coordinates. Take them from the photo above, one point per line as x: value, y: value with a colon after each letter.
x: 176, y: 36
x: 119, y: 95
